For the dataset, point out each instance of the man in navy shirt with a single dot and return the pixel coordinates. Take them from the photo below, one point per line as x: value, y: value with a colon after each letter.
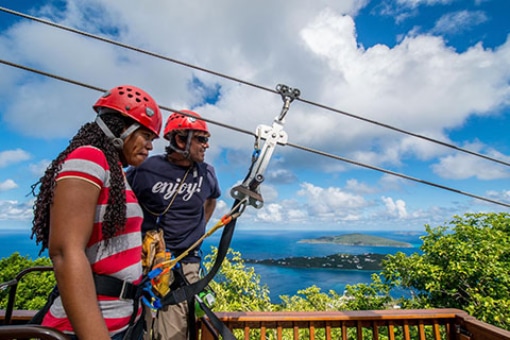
x: 178, y: 192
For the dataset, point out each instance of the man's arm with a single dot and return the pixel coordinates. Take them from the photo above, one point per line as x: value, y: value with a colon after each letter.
x: 209, y: 206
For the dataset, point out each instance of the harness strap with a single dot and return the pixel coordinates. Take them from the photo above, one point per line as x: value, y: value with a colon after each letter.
x: 221, y: 328
x: 114, y: 287
x: 188, y: 292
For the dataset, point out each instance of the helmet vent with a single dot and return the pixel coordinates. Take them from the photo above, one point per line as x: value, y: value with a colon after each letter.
x: 132, y: 102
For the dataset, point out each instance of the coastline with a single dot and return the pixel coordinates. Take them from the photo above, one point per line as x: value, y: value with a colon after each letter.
x: 260, y: 245
x: 358, y: 240
x: 370, y: 262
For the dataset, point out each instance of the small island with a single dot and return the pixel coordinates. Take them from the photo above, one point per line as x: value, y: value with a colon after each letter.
x: 358, y: 240
x: 336, y: 261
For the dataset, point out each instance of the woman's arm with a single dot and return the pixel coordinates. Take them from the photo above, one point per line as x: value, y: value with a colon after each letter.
x: 72, y: 220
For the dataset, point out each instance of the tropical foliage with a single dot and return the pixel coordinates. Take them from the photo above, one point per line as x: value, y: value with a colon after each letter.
x: 32, y: 289
x: 463, y: 264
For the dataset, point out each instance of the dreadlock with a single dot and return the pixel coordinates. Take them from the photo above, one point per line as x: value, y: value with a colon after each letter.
x: 89, y: 134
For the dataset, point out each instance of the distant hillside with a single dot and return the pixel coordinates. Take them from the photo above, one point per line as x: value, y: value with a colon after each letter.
x: 358, y: 240
x: 336, y: 261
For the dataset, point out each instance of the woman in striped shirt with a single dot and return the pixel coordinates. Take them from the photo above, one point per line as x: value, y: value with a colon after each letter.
x: 89, y: 219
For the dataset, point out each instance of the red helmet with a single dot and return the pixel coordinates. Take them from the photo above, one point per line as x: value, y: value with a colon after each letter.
x: 135, y: 103
x: 178, y: 121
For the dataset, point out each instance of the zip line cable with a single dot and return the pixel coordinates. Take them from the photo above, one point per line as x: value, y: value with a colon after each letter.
x: 390, y: 127
x: 74, y: 82
x: 222, y: 75
x: 321, y: 153
x: 132, y: 48
x: 296, y: 146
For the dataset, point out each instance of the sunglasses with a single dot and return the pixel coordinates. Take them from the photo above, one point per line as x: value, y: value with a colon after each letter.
x: 202, y: 139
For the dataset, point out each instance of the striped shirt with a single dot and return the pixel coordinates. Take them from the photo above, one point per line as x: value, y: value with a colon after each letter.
x: 121, y: 258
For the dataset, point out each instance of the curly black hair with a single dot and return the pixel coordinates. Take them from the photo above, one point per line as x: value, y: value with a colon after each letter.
x: 89, y: 134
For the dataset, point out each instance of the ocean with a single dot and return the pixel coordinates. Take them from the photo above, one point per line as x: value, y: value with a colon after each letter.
x: 266, y: 244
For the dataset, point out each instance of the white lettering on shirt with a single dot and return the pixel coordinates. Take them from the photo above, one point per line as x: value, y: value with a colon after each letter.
x: 167, y: 189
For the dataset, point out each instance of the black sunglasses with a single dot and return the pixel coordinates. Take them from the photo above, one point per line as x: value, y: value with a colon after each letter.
x: 202, y: 139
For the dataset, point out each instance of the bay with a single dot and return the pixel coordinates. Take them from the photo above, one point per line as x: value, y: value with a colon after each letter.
x: 277, y: 244
x: 270, y: 244
x: 18, y: 241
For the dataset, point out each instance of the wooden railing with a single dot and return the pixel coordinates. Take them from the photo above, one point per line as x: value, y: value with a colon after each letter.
x: 30, y: 332
x: 422, y: 324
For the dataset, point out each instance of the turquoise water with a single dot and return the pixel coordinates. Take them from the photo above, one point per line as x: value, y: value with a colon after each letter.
x: 253, y: 244
x: 263, y: 244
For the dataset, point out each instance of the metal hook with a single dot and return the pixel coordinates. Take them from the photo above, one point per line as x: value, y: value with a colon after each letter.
x: 288, y: 95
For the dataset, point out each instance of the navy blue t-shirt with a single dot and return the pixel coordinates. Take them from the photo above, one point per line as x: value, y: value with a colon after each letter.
x: 155, y: 183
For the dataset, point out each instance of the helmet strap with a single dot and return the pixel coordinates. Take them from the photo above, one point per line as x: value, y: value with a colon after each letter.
x: 188, y: 144
x: 184, y: 152
x: 118, y: 142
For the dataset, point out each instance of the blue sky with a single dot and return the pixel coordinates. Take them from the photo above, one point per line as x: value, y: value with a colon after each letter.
x: 436, y: 68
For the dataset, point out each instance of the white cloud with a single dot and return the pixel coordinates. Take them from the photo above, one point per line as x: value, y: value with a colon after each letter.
x: 10, y: 157
x: 270, y: 213
x: 502, y: 196
x: 14, y: 210
x: 358, y: 187
x: 401, y: 10
x: 395, y: 208
x: 412, y: 85
x: 221, y: 210
x: 416, y: 3
x: 463, y: 166
x: 460, y: 21
x: 389, y: 182
x: 280, y: 176
x: 269, y: 193
x: 39, y: 168
x: 297, y: 215
x: 330, y: 202
x: 420, y: 84
x: 8, y: 184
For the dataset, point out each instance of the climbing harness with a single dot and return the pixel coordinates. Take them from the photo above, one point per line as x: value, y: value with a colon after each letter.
x: 155, y: 254
x: 248, y: 193
x: 198, y: 294
x: 153, y: 300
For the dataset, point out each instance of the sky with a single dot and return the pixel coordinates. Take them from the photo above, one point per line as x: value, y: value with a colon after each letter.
x: 439, y: 69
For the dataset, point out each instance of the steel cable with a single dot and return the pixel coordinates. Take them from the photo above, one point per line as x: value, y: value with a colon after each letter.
x: 299, y: 147
x: 222, y: 75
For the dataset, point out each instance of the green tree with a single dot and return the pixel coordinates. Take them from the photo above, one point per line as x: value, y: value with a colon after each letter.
x: 237, y: 287
x: 33, y: 288
x: 373, y: 296
x: 465, y: 264
x: 312, y: 299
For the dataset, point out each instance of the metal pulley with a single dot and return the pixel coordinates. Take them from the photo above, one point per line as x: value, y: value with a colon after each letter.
x: 271, y: 135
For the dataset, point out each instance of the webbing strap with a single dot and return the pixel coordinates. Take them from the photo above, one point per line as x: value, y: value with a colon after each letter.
x: 111, y: 286
x: 188, y: 292
x: 225, y: 332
